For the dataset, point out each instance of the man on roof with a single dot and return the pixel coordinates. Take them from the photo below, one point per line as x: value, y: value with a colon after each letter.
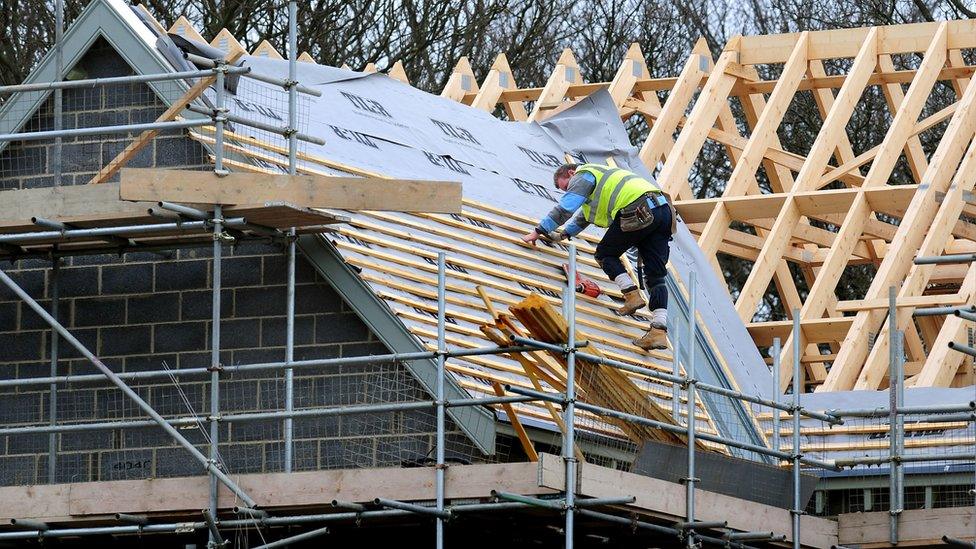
x: 636, y: 213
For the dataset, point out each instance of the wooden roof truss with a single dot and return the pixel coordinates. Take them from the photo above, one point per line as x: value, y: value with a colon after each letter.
x: 820, y: 230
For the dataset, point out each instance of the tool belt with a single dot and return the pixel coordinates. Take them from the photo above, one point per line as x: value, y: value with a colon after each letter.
x: 639, y: 214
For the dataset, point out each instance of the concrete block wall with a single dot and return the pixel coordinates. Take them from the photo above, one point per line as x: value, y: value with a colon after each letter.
x: 29, y: 164
x: 144, y: 311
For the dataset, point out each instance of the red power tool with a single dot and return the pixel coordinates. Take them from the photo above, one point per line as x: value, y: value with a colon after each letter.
x: 584, y: 285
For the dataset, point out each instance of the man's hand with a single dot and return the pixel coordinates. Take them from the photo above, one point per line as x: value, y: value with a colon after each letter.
x: 530, y: 238
x: 554, y: 235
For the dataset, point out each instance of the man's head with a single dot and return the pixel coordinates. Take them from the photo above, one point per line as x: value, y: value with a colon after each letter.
x: 563, y: 174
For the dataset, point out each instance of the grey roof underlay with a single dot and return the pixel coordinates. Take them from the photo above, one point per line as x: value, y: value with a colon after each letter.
x: 374, y: 123
x: 378, y: 124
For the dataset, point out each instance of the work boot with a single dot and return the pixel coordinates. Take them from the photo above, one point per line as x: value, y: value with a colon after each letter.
x: 633, y: 300
x: 655, y: 338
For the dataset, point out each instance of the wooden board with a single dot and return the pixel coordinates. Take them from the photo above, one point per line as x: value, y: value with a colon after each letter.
x: 668, y: 499
x: 916, y: 527
x: 90, y: 206
x: 63, y: 503
x: 827, y: 44
x: 890, y: 200
x: 347, y: 193
x: 311, y: 491
x: 65, y: 204
x: 98, y: 206
x: 821, y: 330
x: 605, y: 386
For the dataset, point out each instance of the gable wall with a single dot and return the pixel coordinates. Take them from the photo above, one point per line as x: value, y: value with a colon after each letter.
x: 139, y: 311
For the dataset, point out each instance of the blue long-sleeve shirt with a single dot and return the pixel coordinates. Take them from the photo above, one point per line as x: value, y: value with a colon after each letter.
x: 580, y: 187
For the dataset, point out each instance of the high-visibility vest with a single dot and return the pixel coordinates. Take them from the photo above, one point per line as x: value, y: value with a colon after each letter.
x: 615, y: 188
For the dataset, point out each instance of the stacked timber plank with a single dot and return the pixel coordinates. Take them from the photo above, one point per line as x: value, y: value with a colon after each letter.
x: 603, y: 385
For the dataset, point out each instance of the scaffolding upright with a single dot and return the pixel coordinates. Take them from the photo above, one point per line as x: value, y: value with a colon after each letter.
x: 217, y: 227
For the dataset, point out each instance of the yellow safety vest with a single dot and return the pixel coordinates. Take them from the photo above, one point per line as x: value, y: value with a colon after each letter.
x: 615, y: 188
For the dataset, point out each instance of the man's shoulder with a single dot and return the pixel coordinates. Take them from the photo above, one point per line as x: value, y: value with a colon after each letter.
x: 582, y: 178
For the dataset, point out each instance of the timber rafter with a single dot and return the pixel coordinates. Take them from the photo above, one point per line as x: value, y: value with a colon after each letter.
x: 831, y: 207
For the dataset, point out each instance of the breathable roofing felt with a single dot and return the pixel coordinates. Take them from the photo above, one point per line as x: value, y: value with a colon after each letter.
x: 374, y: 124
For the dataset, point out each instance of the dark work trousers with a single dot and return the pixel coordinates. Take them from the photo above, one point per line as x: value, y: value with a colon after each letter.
x: 652, y: 243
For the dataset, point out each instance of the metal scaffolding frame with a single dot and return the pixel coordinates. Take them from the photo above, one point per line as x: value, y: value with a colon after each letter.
x: 896, y: 412
x: 442, y: 511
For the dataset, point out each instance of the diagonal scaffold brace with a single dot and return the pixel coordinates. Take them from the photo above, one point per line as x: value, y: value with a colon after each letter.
x: 210, y: 466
